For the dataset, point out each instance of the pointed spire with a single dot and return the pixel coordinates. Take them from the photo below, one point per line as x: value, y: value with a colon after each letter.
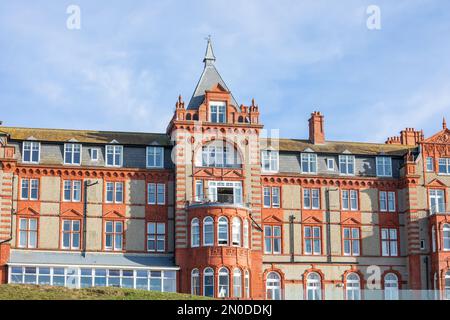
x: 444, y: 123
x: 209, y: 54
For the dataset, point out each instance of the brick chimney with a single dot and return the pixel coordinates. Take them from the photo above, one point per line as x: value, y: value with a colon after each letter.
x: 408, y: 137
x: 316, y: 129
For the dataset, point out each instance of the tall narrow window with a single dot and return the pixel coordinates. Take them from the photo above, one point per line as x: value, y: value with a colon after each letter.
x: 25, y: 189
x: 246, y: 233
x: 195, y: 233
x: 351, y: 241
x: 237, y: 283
x: 119, y: 192
x: 313, y: 240
x: 155, y: 157
x: 247, y: 284
x: 269, y: 160
x: 433, y: 238
x: 72, y: 153
x: 389, y: 242
x: 350, y: 200
x: 447, y: 285
x: 114, y: 235
x: 273, y: 286
x: 272, y: 239
x: 222, y: 231
x: 195, y: 282
x: 446, y: 237
x: 347, y: 165
x: 266, y: 195
x: 109, y: 191
x: 71, y: 234
x: 313, y: 287
x: 353, y: 287
x: 31, y: 152
x: 437, y: 203
x: 309, y: 163
x: 224, y: 283
x: 208, y: 231
x: 208, y: 282
x: 430, y: 164
x: 236, y: 233
x: 275, y: 197
x: 114, y: 155
x: 156, y: 236
x: 390, y: 287
x: 384, y: 166
x: 28, y: 233
x: 161, y: 190
x: 199, y: 196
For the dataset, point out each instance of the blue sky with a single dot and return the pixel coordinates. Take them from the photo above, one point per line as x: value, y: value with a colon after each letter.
x: 129, y: 62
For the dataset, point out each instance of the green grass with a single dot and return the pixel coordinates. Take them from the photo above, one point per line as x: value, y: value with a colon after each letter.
x: 31, y: 292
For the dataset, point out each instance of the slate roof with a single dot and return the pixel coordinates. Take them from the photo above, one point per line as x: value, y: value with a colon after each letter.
x: 91, y: 259
x: 86, y: 136
x: 209, y: 78
x: 337, y: 147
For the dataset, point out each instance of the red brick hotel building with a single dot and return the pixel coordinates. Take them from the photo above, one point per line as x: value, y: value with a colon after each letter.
x: 212, y: 208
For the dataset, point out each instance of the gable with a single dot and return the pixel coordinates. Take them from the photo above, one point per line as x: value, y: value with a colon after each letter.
x: 442, y: 136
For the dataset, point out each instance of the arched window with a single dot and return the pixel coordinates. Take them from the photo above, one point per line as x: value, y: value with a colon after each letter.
x: 208, y: 282
x: 273, y: 286
x: 353, y: 287
x: 390, y: 287
x: 247, y: 284
x: 313, y: 287
x: 433, y: 238
x: 222, y: 231
x: 188, y: 116
x: 195, y: 282
x: 446, y: 237
x: 447, y: 285
x: 246, y: 233
x: 220, y: 154
x: 208, y: 231
x: 237, y: 283
x: 224, y: 283
x: 435, y: 286
x: 195, y: 233
x: 236, y: 231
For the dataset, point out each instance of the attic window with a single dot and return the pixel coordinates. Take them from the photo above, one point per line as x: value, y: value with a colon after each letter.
x: 217, y: 112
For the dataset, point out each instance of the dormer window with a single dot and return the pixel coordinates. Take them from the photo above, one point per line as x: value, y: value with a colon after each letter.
x: 72, y: 153
x: 384, y: 166
x: 114, y: 156
x: 31, y: 152
x: 269, y: 160
x: 155, y: 157
x: 217, y: 112
x: 309, y: 163
x: 347, y: 165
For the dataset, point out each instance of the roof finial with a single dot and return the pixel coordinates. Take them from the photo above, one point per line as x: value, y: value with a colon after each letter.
x: 444, y: 123
x: 209, y: 55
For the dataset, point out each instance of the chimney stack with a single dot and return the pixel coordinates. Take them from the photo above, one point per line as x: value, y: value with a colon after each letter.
x: 316, y: 128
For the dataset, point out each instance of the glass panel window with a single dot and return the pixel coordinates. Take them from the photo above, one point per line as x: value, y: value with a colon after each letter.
x: 208, y: 231
x: 312, y: 240
x: 347, y: 165
x: 237, y: 283
x: 25, y: 189
x: 31, y: 152
x: 272, y: 239
x: 389, y: 242
x: 437, y: 202
x: 114, y: 155
x: 271, y: 197
x: 352, y: 241
x: 71, y: 232
x: 28, y: 233
x: 353, y: 200
x: 217, y: 112
x: 208, y: 282
x: 236, y: 232
x: 446, y: 237
x: 266, y: 195
x: 161, y: 191
x: 114, y: 192
x: 72, y: 153
x: 222, y: 231
x: 109, y: 191
x: 430, y: 164
x: 72, y: 190
x: 276, y: 197
x: 195, y: 282
x: 313, y: 287
x: 195, y: 233
x: 155, y: 157
x: 391, y: 287
x: 309, y: 162
x: 246, y: 233
x: 353, y: 287
x: 29, y: 189
x: 224, y: 283
x: 330, y: 164
x: 269, y: 160
x: 94, y: 154
x: 273, y: 286
x: 156, y: 236
x: 119, y: 192
x: 114, y: 235
x: 384, y: 166
x: 199, y: 196
x: 311, y: 198
x: 444, y: 165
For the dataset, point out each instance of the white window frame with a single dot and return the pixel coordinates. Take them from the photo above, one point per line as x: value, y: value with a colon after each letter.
x: 235, y: 185
x: 156, y: 187
x: 195, y: 233
x: 272, y: 158
x: 91, y: 154
x: 71, y: 233
x: 157, y: 236
x: 114, y: 235
x: 154, y: 149
x: 352, y: 240
x: 208, y: 221
x: 310, y: 160
x: 344, y: 162
x: 114, y: 147
x: 429, y: 164
x: 72, y: 147
x: 32, y: 145
x: 437, y: 197
x: 444, y: 162
x: 114, y: 191
x: 446, y: 237
x: 221, y: 109
x: 28, y: 233
x: 387, y: 243
x: 330, y: 164
x: 29, y: 189
x: 383, y: 166
x: 353, y: 287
